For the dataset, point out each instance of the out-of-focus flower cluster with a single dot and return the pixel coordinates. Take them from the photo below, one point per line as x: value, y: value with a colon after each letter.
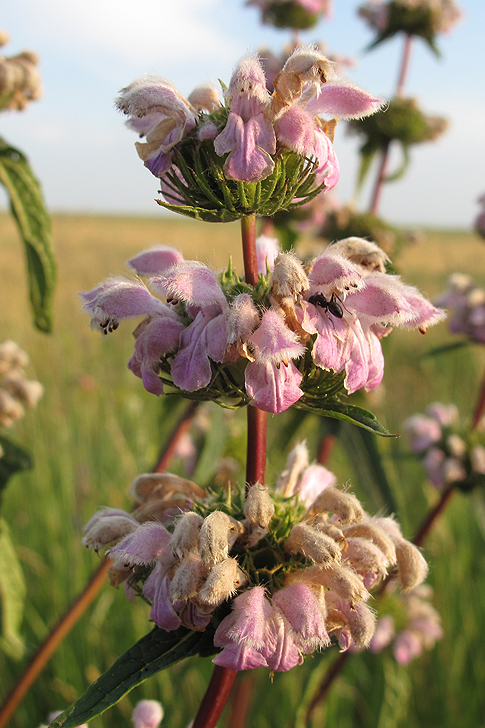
x: 480, y: 219
x: 302, y: 333
x: 16, y: 391
x: 450, y: 452
x: 19, y: 78
x: 297, y: 14
x: 276, y: 574
x: 411, y: 626
x: 146, y: 714
x: 423, y: 18
x: 257, y: 152
x: 466, y: 304
x: 402, y: 122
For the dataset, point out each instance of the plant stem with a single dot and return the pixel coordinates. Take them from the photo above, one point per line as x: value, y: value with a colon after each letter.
x: 427, y: 523
x: 75, y: 611
x: 381, y: 175
x: 248, y: 232
x: 480, y: 407
x: 334, y: 671
x: 215, y: 697
x: 256, y: 447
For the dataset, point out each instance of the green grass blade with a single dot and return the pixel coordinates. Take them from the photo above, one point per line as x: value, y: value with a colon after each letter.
x: 155, y: 651
x: 33, y: 222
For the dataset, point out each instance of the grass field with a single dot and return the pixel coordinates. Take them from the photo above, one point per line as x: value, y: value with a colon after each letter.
x: 96, y: 429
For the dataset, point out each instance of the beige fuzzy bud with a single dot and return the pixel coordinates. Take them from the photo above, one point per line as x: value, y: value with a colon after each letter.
x: 218, y: 533
x: 321, y: 523
x: 259, y: 507
x: 205, y: 98
x: 376, y: 535
x: 344, y: 505
x: 118, y: 574
x: 10, y: 409
x: 185, y: 537
x: 296, y: 463
x: 310, y: 65
x: 314, y: 545
x: 150, y: 486
x: 366, y: 557
x: 224, y: 580
x: 27, y: 391
x: 364, y: 253
x: 340, y: 579
x: 188, y: 578
x: 412, y: 565
x: 289, y: 279
x: 362, y: 624
x: 12, y: 357
x: 101, y: 531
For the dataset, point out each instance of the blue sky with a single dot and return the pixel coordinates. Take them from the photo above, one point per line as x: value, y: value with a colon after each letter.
x: 89, y: 49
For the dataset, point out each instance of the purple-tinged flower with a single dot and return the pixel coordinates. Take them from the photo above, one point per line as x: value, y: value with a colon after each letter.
x: 157, y: 111
x: 248, y: 135
x: 147, y: 714
x: 267, y: 249
x: 272, y: 380
x: 306, y: 612
x: 383, y: 635
x: 422, y: 432
x: 154, y: 261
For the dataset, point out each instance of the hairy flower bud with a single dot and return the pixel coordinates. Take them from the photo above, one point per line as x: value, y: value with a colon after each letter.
x: 223, y: 581
x: 185, y: 537
x: 259, y: 507
x: 188, y: 578
x: 218, y: 533
x: 314, y: 545
x: 413, y: 568
x: 344, y: 505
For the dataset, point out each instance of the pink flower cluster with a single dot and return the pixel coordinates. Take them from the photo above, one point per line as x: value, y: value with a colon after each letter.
x: 311, y: 581
x: 256, y: 124
x: 466, y: 302
x: 337, y: 307
x: 16, y: 391
x: 448, y: 454
x: 420, y: 626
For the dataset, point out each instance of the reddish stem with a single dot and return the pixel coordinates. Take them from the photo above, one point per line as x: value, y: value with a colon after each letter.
x: 480, y: 408
x: 248, y: 232
x: 240, y: 700
x: 215, y: 697
x: 85, y: 598
x: 426, y: 525
x: 334, y: 671
x: 256, y: 448
x: 325, y: 448
x: 404, y: 69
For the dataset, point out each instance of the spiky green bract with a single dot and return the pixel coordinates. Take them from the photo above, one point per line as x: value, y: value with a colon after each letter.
x: 30, y: 213
x: 347, y: 222
x: 208, y: 195
x: 290, y: 15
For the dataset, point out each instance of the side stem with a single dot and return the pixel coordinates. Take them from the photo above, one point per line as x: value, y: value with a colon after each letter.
x: 248, y: 233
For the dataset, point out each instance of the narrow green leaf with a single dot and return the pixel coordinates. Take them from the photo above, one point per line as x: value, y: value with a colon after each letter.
x: 33, y: 222
x: 446, y: 348
x: 200, y: 213
x: 340, y: 411
x: 13, y: 460
x: 155, y: 651
x: 12, y: 595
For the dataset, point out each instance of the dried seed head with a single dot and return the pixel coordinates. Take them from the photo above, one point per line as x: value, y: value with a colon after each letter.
x: 344, y: 505
x: 313, y: 544
x: 188, y: 578
x: 218, y: 533
x: 259, y: 507
x: 224, y: 580
x: 412, y: 565
x: 185, y: 537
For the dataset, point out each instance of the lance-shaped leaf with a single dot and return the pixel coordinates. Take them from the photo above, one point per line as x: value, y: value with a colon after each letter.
x: 13, y: 460
x: 332, y: 407
x: 12, y: 595
x: 155, y: 651
x: 30, y: 213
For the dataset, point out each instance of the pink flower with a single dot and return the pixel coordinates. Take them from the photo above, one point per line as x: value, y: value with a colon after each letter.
x: 272, y: 380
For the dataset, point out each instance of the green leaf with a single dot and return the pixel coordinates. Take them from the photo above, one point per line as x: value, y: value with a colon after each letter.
x: 154, y: 652
x: 201, y: 213
x: 363, y: 452
x: 341, y: 411
x: 12, y: 595
x: 13, y: 460
x: 33, y: 222
x: 446, y: 348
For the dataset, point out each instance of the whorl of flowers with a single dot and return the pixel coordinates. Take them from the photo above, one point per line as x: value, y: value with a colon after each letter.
x: 410, y: 624
x: 16, y: 391
x: 466, y: 304
x: 19, y: 78
x: 275, y: 574
x: 423, y: 18
x: 401, y: 122
x: 255, y: 153
x: 302, y: 334
x: 297, y: 14
x: 449, y: 452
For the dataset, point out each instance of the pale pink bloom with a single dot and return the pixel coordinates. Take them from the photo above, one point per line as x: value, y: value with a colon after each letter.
x: 306, y: 613
x: 144, y: 546
x: 422, y: 432
x: 147, y: 714
x: 248, y: 135
x: 312, y: 482
x: 155, y: 260
x: 445, y: 414
x: 157, y: 111
x: 383, y: 635
x: 407, y: 646
x: 267, y: 249
x: 272, y: 380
